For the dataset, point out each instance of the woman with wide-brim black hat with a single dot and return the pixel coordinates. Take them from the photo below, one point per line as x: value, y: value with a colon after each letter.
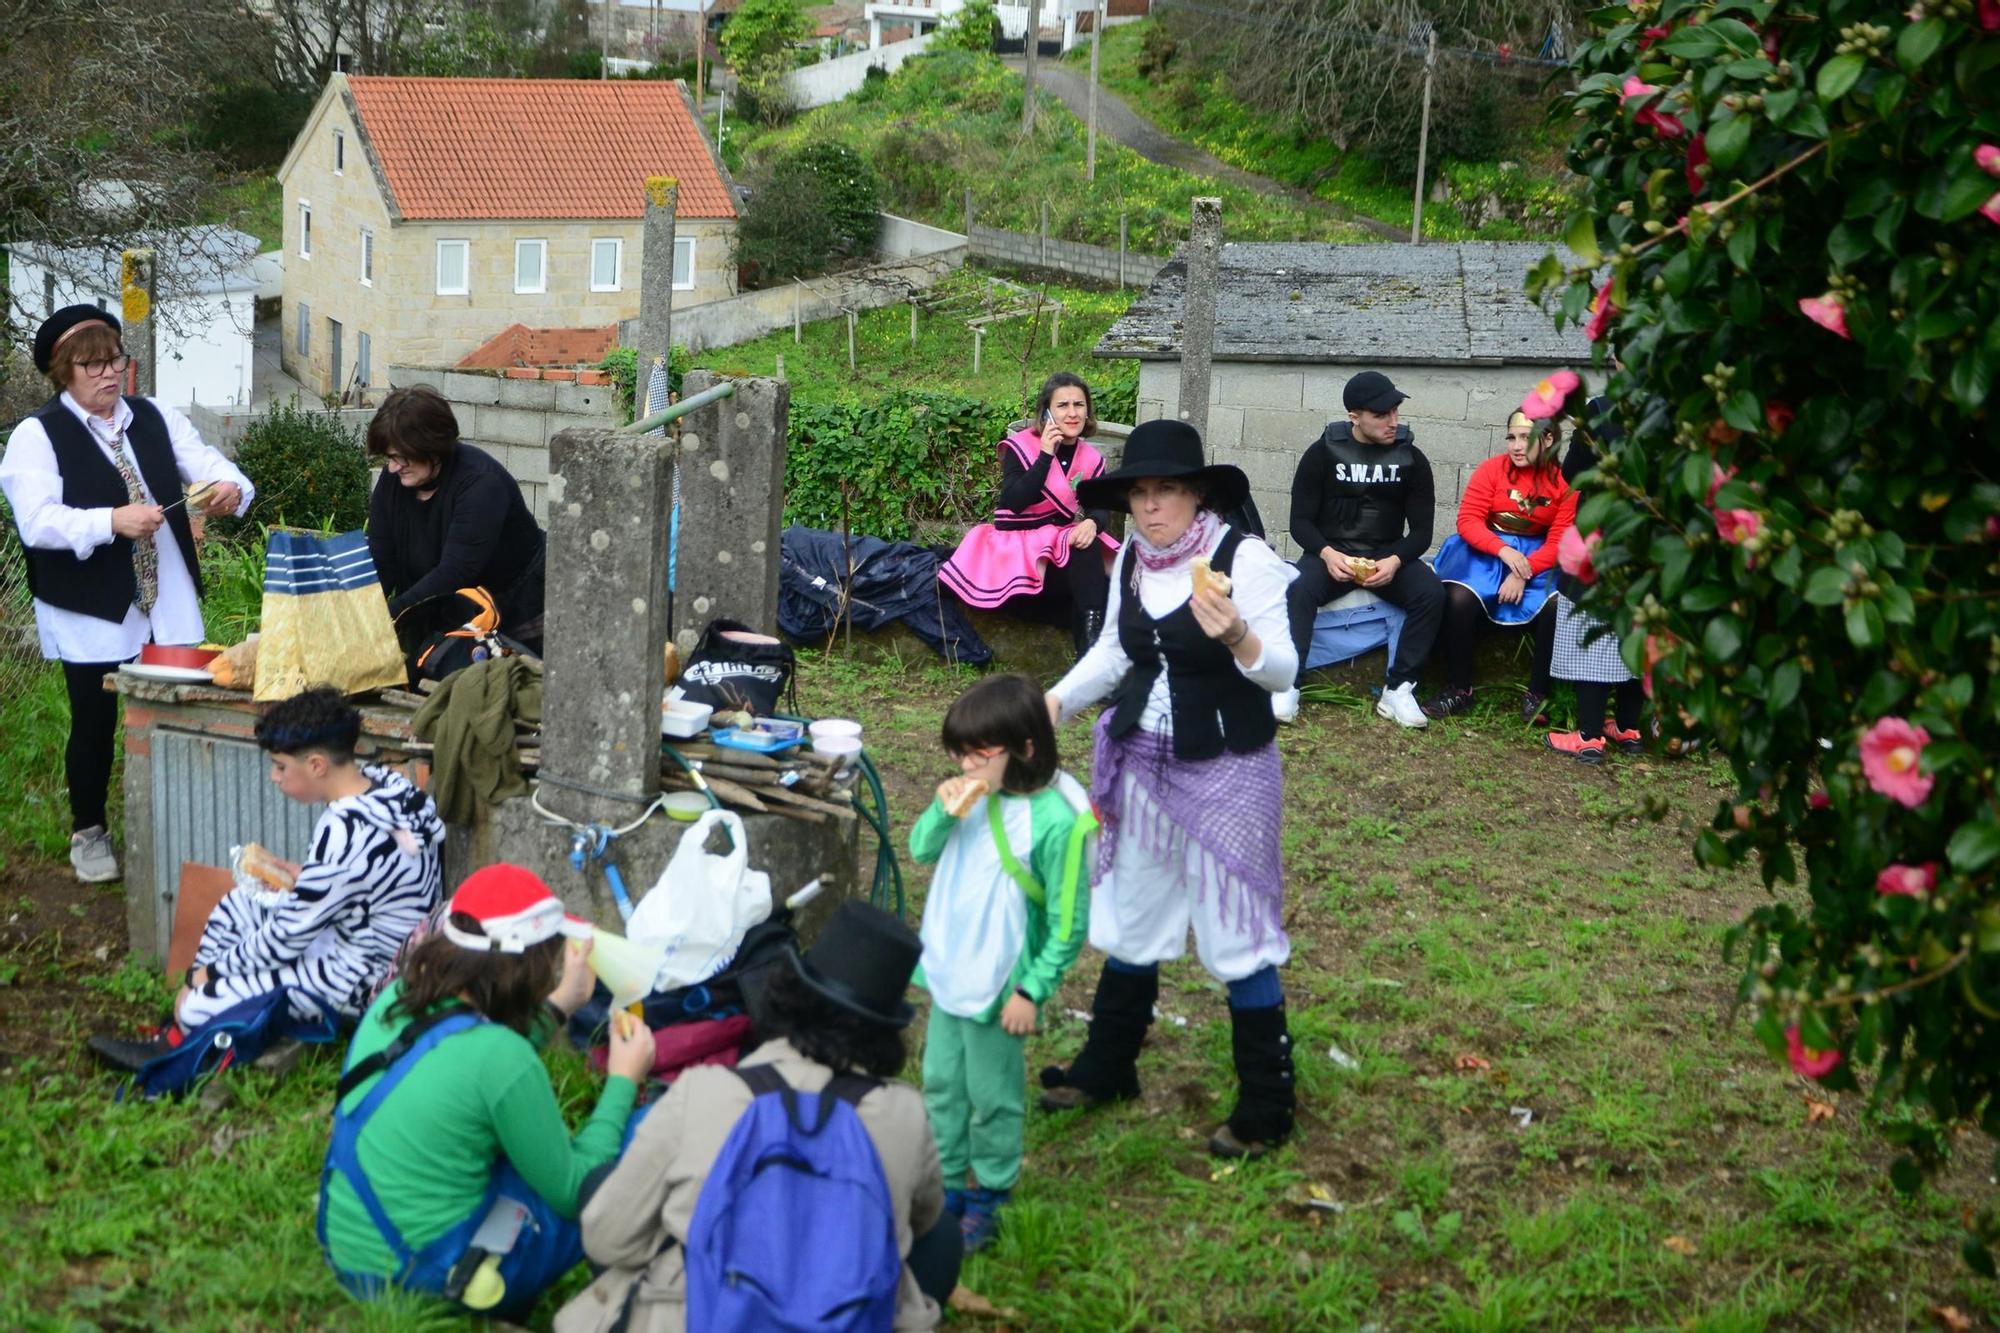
x: 95, y: 480
x: 1186, y: 777
x: 836, y: 1012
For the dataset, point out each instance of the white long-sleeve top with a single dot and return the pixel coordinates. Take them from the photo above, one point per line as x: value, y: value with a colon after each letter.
x: 1259, y: 580
x: 34, y: 488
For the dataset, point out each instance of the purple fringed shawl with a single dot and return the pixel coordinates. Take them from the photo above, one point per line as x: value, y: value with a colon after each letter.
x: 1218, y: 818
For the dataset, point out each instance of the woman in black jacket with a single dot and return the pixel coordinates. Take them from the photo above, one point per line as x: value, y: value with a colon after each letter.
x: 446, y: 515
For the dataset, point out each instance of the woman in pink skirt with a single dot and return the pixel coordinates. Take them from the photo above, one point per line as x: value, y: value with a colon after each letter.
x: 1038, y: 525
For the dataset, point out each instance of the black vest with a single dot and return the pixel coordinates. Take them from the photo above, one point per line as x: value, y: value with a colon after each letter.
x: 1212, y: 705
x: 102, y: 584
x: 1364, y: 483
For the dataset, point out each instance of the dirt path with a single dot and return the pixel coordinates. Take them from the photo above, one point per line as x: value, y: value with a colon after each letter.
x: 1117, y: 121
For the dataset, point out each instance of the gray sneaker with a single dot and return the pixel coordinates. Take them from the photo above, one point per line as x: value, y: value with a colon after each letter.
x: 92, y: 856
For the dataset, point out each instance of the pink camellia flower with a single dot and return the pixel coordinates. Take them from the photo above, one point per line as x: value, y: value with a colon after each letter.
x: 1989, y: 15
x: 1547, y: 397
x: 1715, y: 480
x: 1891, y: 753
x: 1737, y: 526
x: 1909, y: 881
x: 1658, y: 32
x: 1778, y: 416
x: 1987, y: 155
x: 1805, y: 1060
x: 1990, y: 210
x: 1829, y: 311
x: 1575, y: 553
x: 1602, y: 312
x: 1697, y: 157
x: 1664, y: 123
x: 1818, y: 800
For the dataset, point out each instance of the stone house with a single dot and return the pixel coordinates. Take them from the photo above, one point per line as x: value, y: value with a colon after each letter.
x: 422, y: 216
x: 1451, y: 324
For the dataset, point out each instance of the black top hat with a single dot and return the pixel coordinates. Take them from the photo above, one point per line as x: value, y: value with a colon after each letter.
x: 1165, y: 448
x: 862, y: 961
x: 65, y: 319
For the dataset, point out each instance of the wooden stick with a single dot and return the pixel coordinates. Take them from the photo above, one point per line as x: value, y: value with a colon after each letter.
x: 785, y: 797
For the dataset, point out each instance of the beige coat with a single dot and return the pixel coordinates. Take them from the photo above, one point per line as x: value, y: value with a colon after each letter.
x: 651, y: 1193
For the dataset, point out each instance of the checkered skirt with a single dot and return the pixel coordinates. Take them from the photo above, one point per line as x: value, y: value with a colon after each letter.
x: 1574, y: 659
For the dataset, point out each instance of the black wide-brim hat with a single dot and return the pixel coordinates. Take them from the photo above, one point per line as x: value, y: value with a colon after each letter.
x: 61, y: 322
x: 1166, y: 448
x: 863, y: 961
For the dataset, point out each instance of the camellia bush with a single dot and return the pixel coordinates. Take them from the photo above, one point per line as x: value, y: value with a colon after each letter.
x: 1789, y: 264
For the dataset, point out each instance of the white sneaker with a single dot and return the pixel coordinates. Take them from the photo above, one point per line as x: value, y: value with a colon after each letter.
x: 1285, y: 706
x: 92, y: 856
x: 1400, y: 706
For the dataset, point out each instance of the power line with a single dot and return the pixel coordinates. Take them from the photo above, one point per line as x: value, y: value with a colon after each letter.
x: 1414, y: 44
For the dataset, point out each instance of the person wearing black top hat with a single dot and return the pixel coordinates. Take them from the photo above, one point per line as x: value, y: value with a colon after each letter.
x: 1362, y: 511
x: 840, y: 1008
x: 100, y: 486
x: 1186, y: 778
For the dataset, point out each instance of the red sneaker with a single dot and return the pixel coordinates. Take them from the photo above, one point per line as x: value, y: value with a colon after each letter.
x: 1628, y: 742
x: 1576, y: 747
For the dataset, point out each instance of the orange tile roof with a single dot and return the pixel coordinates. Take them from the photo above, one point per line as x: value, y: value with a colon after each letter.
x: 519, y: 345
x: 534, y: 148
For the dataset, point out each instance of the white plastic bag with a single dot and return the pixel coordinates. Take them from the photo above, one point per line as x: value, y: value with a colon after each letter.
x: 702, y: 904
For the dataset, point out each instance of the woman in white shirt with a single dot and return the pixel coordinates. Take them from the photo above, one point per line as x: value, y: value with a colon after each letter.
x: 95, y: 480
x: 1186, y: 777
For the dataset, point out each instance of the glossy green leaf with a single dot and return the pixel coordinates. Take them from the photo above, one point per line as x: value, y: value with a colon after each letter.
x: 1864, y: 624
x: 1919, y: 42
x: 1838, y: 75
x: 1975, y: 846
x: 1726, y: 140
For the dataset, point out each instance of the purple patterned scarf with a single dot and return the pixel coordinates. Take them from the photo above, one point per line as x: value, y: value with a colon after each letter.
x: 1192, y: 542
x: 1218, y: 818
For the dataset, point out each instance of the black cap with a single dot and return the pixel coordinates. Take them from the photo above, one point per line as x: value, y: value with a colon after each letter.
x: 1371, y: 391
x: 65, y: 319
x: 863, y: 961
x: 1166, y: 448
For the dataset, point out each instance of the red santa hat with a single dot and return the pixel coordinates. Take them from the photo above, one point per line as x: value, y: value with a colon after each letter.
x: 515, y: 911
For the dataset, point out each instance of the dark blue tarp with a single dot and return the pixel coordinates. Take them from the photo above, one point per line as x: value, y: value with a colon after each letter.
x: 890, y: 581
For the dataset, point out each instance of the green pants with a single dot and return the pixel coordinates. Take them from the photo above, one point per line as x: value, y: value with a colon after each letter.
x: 976, y: 1091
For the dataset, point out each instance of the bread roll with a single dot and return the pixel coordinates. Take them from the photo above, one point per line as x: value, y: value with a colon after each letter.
x: 961, y: 802
x: 258, y: 863
x: 1206, y: 577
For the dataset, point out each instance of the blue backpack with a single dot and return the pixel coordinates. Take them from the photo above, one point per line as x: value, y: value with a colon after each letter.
x: 239, y: 1034
x: 794, y: 1228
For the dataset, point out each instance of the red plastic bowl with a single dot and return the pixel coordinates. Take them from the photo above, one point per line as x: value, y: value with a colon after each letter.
x: 160, y: 654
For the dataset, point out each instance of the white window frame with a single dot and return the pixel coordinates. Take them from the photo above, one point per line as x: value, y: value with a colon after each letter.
x: 367, y: 257
x: 541, y: 267
x: 617, y: 244
x: 304, y: 332
x: 687, y: 241
x: 465, y: 249
x: 305, y: 229
x: 339, y: 153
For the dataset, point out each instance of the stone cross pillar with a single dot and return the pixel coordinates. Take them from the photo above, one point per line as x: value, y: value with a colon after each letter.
x: 732, y: 463
x: 656, y: 279
x: 141, y: 338
x: 609, y: 496
x: 1204, y: 264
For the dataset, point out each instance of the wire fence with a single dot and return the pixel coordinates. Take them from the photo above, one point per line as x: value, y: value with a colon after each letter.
x: 21, y: 665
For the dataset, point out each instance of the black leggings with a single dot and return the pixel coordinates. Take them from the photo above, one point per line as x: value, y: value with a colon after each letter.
x: 935, y: 1257
x: 93, y: 739
x: 1591, y: 696
x: 1465, y: 620
x: 1089, y: 585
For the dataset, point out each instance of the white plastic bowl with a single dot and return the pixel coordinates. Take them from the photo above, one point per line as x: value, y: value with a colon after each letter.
x: 840, y: 749
x: 829, y: 727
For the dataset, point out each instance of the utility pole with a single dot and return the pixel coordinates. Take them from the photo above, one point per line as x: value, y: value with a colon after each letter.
x: 604, y: 44
x: 1090, y: 137
x: 1028, y: 74
x: 1423, y: 142
x: 700, y: 51
x: 1203, y: 257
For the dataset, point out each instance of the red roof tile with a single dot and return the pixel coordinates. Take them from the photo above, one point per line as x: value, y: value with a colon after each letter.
x: 535, y: 148
x: 519, y: 345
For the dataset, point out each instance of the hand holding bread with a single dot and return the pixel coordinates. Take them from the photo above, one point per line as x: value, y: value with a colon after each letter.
x: 1206, y: 578
x: 959, y: 794
x: 257, y: 862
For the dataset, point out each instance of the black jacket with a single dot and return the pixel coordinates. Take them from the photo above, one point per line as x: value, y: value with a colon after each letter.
x: 474, y: 532
x: 1363, y: 499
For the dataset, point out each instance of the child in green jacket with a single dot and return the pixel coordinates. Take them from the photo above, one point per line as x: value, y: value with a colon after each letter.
x: 1004, y: 919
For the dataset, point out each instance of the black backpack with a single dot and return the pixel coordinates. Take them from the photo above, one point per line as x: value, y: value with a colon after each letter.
x: 734, y: 668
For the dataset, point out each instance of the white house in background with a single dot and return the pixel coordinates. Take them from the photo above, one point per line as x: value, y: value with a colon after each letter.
x: 206, y: 303
x: 1071, y: 17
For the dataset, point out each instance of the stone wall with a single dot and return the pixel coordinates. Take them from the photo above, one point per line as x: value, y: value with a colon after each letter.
x: 754, y: 314
x: 513, y: 418
x: 1097, y: 262
x: 1262, y: 415
x: 224, y: 427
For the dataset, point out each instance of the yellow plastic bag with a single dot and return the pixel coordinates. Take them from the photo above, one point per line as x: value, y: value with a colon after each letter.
x: 326, y: 621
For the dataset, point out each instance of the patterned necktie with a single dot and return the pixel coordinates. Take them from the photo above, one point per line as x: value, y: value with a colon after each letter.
x: 145, y: 556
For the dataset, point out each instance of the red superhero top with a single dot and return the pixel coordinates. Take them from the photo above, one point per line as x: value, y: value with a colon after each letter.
x: 1526, y: 502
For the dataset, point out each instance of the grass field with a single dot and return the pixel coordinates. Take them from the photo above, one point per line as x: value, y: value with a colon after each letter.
x: 1543, y: 1114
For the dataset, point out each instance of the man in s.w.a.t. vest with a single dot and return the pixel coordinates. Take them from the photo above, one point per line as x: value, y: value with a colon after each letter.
x: 1364, y: 489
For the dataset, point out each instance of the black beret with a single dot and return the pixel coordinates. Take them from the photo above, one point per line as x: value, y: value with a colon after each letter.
x: 65, y: 319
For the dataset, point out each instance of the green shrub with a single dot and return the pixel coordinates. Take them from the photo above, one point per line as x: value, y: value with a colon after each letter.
x: 882, y: 463
x: 252, y: 124
x: 974, y: 28
x: 309, y: 469
x: 622, y: 364
x: 815, y: 207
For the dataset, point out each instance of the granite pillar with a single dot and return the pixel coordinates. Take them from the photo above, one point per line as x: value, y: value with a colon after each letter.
x: 1204, y: 276
x: 732, y: 465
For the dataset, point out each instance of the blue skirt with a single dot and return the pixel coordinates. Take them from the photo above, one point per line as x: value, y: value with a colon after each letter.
x: 1482, y: 574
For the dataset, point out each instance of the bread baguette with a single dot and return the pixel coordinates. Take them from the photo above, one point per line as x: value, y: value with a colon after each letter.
x: 260, y: 864
x: 961, y: 803
x: 1206, y: 577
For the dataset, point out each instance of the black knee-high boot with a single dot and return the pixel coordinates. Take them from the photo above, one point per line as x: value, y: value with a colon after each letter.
x: 1084, y: 630
x: 1106, y: 1069
x: 1265, y: 1095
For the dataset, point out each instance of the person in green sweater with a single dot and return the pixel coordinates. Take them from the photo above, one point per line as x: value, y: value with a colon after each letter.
x: 1003, y: 920
x: 451, y: 1171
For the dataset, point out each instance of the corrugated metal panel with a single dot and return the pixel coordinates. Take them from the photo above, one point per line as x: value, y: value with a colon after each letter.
x: 212, y: 794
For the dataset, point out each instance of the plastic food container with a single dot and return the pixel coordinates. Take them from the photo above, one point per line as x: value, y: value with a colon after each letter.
x: 685, y: 806
x: 681, y: 719
x: 840, y: 749
x: 828, y: 727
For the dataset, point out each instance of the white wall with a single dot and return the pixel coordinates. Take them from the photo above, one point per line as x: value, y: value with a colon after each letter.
x: 831, y: 80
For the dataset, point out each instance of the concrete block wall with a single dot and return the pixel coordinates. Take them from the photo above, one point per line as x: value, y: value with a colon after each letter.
x: 514, y: 419
x: 225, y: 427
x: 751, y: 315
x: 1097, y: 262
x: 1263, y: 415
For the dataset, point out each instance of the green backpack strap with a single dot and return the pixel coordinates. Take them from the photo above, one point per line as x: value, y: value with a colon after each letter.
x: 1008, y: 861
x: 1073, y: 871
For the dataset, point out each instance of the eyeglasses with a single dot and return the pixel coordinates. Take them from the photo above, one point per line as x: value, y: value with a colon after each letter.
x: 117, y: 365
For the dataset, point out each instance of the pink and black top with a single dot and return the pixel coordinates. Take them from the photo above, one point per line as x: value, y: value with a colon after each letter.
x: 1010, y: 556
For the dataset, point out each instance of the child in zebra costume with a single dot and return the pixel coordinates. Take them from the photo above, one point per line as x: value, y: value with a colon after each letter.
x: 371, y: 876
